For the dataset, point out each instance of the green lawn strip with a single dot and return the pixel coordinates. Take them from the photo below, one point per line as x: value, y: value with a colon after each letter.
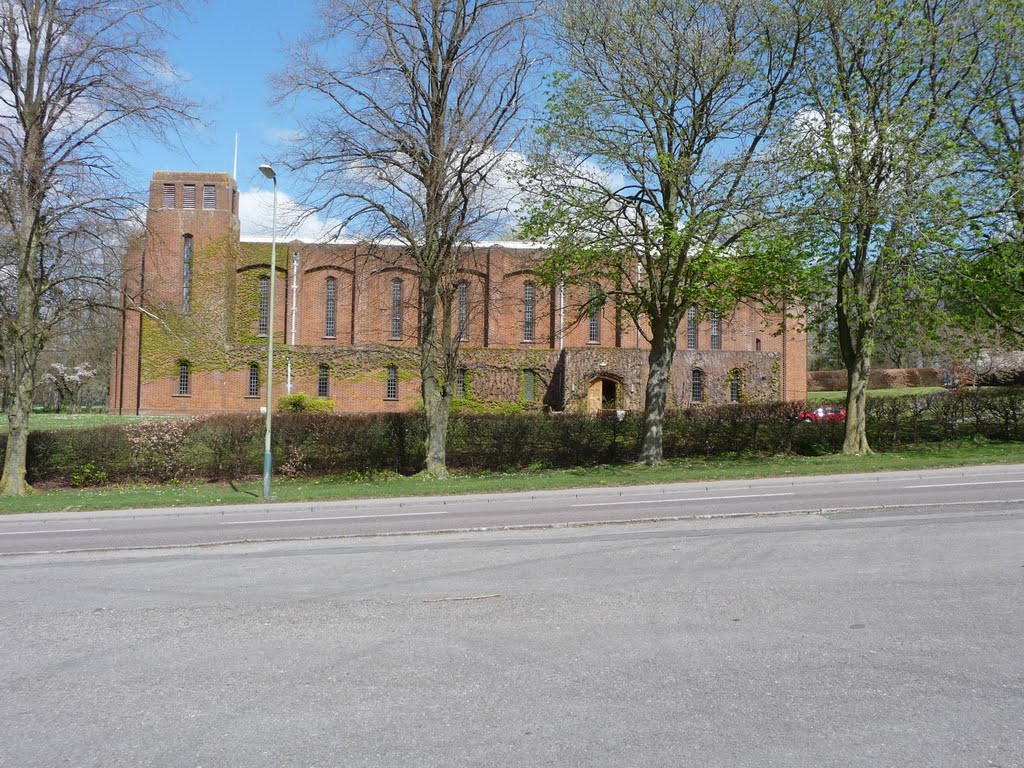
x: 327, y: 488
x: 40, y: 422
x: 838, y: 396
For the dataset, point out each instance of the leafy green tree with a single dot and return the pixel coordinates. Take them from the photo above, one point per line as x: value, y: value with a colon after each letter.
x: 873, y: 165
x: 648, y: 173
x: 987, y: 271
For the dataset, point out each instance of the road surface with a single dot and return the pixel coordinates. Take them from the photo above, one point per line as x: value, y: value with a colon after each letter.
x: 991, y: 485
x: 849, y: 639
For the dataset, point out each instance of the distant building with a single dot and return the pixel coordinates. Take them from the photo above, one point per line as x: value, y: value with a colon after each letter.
x: 346, y: 323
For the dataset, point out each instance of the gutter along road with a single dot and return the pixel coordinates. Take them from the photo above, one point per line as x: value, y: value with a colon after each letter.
x: 993, y: 489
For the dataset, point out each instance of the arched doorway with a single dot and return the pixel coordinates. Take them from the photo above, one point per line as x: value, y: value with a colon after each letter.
x: 604, y: 394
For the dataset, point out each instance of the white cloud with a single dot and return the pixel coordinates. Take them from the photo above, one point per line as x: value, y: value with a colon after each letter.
x: 256, y: 210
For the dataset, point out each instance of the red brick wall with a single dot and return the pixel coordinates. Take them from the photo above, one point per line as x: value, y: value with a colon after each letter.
x: 220, y: 336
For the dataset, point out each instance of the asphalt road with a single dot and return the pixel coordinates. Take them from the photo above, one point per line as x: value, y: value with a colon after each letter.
x: 994, y: 485
x: 857, y: 638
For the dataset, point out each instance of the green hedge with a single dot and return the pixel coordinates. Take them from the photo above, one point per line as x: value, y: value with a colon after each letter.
x: 230, y: 446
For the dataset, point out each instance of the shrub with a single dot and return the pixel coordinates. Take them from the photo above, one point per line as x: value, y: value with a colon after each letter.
x: 230, y: 445
x: 302, y: 403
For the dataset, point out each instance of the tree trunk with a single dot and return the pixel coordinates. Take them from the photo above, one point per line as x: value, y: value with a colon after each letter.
x: 13, y: 482
x: 856, y: 440
x: 436, y: 406
x: 434, y: 387
x: 663, y: 349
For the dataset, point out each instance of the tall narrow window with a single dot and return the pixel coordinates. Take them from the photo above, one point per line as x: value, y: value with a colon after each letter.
x: 460, y: 382
x: 167, y: 200
x: 697, y: 386
x: 254, y: 380
x: 529, y: 386
x: 691, y: 328
x: 186, y: 274
x: 184, y: 373
x: 736, y: 386
x: 757, y: 345
x: 323, y: 380
x: 330, y: 307
x: 234, y: 201
x: 463, y: 311
x: 396, y: 308
x: 264, y: 322
x: 188, y: 196
x: 529, y: 306
x: 209, y: 197
x: 594, y: 329
x: 716, y: 330
x: 391, y: 392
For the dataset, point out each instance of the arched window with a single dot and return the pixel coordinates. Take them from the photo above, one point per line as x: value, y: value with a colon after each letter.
x: 716, y: 331
x: 184, y: 374
x: 254, y: 380
x: 323, y: 380
x: 264, y: 321
x: 736, y: 386
x: 691, y: 328
x: 186, y: 274
x: 529, y: 309
x: 594, y: 329
x: 391, y: 392
x: 397, y: 300
x: 330, y: 307
x: 697, y: 386
x: 463, y: 292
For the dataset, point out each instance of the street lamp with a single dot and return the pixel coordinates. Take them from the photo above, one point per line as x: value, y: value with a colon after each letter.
x: 268, y: 171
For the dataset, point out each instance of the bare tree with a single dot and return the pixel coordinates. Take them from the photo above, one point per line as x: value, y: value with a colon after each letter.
x: 73, y: 77
x: 648, y: 179
x: 418, y: 105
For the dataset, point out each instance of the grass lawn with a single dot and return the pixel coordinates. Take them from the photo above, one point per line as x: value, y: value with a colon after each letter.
x: 319, y: 489
x: 838, y: 396
x: 39, y: 422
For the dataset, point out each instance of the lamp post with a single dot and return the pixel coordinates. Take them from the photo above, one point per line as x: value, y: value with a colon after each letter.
x: 268, y: 171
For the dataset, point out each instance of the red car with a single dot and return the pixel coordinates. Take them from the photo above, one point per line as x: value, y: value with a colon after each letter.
x: 825, y: 414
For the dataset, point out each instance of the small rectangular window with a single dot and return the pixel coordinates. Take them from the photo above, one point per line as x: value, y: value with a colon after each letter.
x: 184, y: 374
x: 234, y: 201
x: 209, y: 197
x: 323, y: 381
x: 254, y: 380
x: 188, y: 196
x: 460, y: 382
x: 391, y: 393
x: 168, y: 196
x: 529, y: 386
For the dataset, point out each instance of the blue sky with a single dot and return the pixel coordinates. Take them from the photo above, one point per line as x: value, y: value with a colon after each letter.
x: 227, y: 49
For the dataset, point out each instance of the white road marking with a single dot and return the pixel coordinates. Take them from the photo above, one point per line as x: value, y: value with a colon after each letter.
x: 340, y: 517
x: 957, y: 485
x: 58, y: 530
x: 673, y: 501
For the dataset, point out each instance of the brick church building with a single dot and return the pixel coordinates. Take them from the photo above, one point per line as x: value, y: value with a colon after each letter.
x: 345, y: 326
